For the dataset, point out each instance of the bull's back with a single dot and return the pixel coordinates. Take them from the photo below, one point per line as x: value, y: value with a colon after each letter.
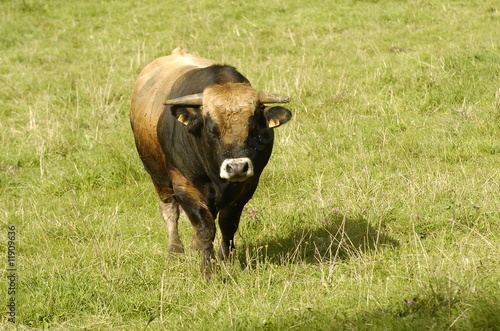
x: 151, y: 89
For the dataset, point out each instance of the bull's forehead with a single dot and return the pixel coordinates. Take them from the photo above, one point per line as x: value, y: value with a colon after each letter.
x: 230, y: 106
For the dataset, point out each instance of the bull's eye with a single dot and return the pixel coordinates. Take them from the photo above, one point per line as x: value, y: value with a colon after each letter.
x: 253, y: 123
x: 213, y: 129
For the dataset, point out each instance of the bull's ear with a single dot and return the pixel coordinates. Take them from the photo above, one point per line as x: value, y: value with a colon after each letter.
x: 276, y: 116
x: 184, y: 114
x: 189, y: 116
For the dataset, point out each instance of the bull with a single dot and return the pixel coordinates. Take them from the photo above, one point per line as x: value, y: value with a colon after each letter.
x: 204, y: 135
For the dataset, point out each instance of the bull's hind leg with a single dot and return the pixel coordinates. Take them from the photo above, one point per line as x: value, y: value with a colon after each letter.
x: 169, y: 210
x: 170, y: 213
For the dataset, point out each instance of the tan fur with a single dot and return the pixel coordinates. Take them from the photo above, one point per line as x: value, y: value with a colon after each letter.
x: 230, y: 106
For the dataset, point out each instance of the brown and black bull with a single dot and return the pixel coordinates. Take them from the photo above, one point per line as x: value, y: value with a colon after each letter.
x: 204, y: 136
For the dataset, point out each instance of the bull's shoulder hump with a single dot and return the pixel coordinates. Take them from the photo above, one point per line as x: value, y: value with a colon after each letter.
x: 166, y: 69
x: 181, y: 56
x: 180, y: 51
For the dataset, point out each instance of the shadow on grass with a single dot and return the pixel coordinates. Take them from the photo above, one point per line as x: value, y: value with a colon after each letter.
x: 338, y: 237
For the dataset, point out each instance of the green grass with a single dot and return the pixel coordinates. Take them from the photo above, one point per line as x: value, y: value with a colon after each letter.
x: 379, y: 209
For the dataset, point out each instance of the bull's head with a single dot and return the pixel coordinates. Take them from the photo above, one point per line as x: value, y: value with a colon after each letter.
x: 235, y: 123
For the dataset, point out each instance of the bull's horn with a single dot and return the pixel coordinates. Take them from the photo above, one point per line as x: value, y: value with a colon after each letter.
x: 265, y: 97
x: 188, y: 100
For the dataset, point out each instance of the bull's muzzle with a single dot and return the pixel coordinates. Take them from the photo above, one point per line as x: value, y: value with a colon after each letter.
x: 236, y: 170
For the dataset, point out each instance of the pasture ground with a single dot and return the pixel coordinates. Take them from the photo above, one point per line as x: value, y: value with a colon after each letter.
x: 379, y: 209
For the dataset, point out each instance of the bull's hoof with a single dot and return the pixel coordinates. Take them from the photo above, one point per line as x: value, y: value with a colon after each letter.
x: 209, y: 266
x: 175, y: 249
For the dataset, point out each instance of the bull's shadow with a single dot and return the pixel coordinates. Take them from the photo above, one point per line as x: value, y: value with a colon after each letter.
x: 337, y: 237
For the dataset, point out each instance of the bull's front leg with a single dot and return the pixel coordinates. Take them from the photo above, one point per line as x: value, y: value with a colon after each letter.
x: 229, y: 219
x: 196, y: 208
x: 204, y: 235
x: 229, y: 216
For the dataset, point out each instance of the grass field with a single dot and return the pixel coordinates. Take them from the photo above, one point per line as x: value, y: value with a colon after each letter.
x: 379, y: 210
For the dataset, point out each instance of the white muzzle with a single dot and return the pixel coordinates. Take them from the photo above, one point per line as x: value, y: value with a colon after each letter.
x: 236, y: 170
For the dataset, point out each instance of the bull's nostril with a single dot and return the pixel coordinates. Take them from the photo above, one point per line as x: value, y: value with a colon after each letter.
x: 236, y: 169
